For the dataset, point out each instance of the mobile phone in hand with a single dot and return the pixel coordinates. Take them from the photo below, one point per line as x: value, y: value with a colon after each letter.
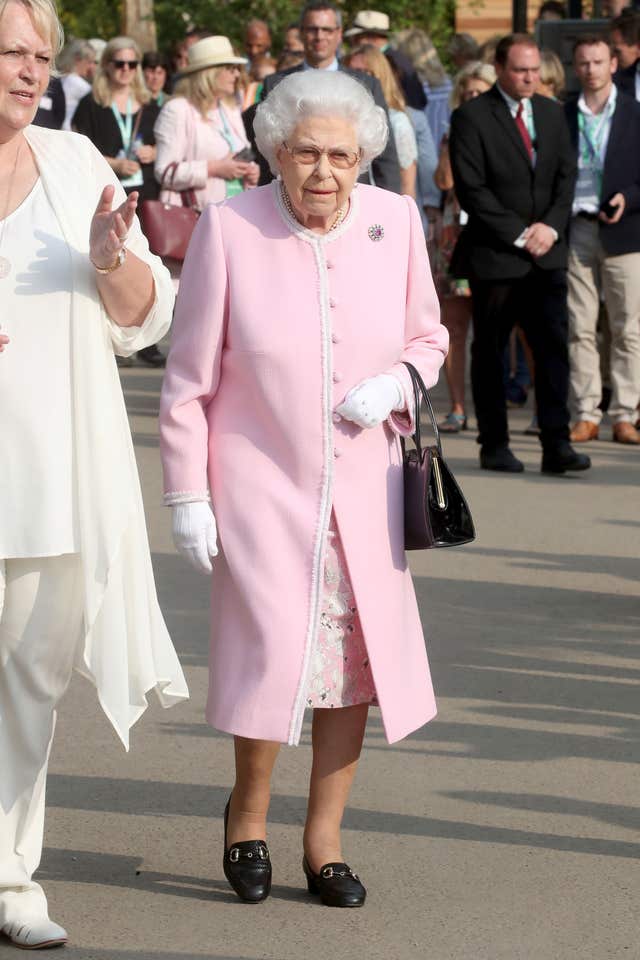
x: 608, y: 208
x: 244, y: 156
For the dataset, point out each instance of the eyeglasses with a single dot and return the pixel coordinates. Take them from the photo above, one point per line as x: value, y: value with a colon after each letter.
x: 310, y: 156
x: 121, y: 64
x: 325, y: 31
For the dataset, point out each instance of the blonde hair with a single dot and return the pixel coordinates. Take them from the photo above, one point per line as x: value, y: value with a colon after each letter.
x: 552, y: 72
x: 45, y: 19
x: 102, y: 90
x: 416, y: 45
x: 200, y: 89
x: 378, y: 66
x: 476, y: 70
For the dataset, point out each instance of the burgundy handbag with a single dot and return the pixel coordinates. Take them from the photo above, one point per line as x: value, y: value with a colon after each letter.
x: 167, y: 226
x: 436, y: 513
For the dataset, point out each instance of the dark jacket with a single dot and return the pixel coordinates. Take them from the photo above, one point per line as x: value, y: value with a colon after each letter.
x: 99, y: 125
x: 621, y: 173
x: 411, y: 84
x: 625, y: 80
x: 52, y: 109
x: 385, y: 168
x: 502, y: 193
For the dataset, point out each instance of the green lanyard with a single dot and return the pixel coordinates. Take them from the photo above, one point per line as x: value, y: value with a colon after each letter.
x: 233, y: 187
x: 125, y: 127
x: 592, y: 131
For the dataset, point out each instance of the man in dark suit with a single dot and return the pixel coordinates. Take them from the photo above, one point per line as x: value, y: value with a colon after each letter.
x: 514, y: 173
x: 624, y: 32
x: 321, y: 29
x: 604, y: 243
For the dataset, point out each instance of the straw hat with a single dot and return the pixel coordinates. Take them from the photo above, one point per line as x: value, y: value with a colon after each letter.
x: 210, y: 52
x: 370, y: 21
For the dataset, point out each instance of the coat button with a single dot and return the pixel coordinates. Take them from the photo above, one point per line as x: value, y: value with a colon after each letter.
x: 337, y: 453
x: 335, y: 338
x: 332, y: 303
x: 337, y: 377
x: 329, y: 264
x: 336, y: 417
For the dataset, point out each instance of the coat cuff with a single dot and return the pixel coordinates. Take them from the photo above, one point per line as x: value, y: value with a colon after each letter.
x: 176, y: 497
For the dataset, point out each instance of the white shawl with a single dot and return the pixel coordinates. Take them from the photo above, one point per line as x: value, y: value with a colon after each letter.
x: 127, y: 649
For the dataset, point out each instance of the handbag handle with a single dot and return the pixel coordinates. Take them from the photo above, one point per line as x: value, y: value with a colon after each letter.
x: 419, y: 390
x: 188, y: 197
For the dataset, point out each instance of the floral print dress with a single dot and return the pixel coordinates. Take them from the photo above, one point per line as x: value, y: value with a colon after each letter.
x: 340, y: 670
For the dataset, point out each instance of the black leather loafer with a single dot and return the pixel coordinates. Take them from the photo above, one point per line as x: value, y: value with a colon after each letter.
x: 247, y: 866
x: 500, y: 459
x: 337, y: 885
x: 564, y: 460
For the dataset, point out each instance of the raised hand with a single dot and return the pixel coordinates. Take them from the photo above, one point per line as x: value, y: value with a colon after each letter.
x: 110, y: 228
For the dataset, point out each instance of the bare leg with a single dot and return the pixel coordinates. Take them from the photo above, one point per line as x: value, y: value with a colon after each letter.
x: 456, y: 314
x: 337, y: 741
x: 255, y: 760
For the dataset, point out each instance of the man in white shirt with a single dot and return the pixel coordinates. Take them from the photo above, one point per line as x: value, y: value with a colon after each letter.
x: 78, y: 63
x: 604, y: 251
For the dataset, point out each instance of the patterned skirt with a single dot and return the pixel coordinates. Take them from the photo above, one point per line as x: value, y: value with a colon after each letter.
x: 340, y: 671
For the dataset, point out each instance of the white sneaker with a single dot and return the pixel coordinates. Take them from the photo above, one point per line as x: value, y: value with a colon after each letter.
x: 35, y: 934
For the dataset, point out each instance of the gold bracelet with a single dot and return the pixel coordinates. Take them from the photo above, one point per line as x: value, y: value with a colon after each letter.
x: 121, y: 256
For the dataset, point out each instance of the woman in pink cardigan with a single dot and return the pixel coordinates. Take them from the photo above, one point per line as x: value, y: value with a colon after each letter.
x: 284, y: 398
x: 200, y: 129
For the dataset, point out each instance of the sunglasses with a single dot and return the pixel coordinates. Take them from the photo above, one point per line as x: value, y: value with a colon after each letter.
x: 121, y: 64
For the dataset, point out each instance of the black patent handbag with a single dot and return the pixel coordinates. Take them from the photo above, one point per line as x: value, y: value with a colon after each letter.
x: 436, y: 513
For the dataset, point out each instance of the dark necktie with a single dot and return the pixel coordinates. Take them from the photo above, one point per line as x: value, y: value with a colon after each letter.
x: 524, y: 133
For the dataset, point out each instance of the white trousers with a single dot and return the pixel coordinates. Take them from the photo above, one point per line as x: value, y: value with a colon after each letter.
x: 41, y: 612
x: 591, y: 270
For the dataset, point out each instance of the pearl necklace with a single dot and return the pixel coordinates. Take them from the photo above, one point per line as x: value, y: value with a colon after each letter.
x: 286, y: 199
x: 5, y: 263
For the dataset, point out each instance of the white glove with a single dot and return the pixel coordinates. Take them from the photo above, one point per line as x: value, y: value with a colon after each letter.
x: 195, y: 533
x: 371, y: 402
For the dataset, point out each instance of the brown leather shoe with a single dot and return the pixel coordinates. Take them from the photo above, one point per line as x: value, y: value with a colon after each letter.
x: 583, y: 431
x: 625, y: 432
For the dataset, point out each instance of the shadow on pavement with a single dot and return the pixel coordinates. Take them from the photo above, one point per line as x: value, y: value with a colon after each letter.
x: 116, y: 870
x: 89, y: 953
x: 610, y: 813
x: 155, y: 798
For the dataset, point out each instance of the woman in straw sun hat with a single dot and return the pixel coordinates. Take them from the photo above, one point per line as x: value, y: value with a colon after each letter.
x: 201, y: 127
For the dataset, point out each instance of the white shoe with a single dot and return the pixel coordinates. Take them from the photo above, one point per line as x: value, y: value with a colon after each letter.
x: 35, y: 934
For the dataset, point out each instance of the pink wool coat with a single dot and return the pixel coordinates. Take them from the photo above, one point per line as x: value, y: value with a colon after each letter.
x: 274, y: 325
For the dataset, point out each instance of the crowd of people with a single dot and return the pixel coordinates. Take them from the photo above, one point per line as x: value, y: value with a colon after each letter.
x: 191, y: 113
x: 326, y: 180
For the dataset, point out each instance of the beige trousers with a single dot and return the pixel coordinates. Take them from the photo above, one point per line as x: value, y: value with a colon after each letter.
x: 41, y: 611
x: 591, y: 270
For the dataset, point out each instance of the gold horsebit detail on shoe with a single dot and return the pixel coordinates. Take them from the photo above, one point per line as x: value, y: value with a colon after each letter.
x: 235, y: 854
x: 329, y: 872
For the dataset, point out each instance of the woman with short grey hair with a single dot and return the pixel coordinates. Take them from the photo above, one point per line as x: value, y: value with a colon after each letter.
x: 283, y: 404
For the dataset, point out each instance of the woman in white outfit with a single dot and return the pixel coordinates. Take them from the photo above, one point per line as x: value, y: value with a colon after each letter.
x: 77, y: 283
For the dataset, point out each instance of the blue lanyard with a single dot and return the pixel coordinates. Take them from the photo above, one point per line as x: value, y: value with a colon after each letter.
x: 594, y: 148
x: 126, y: 128
x: 226, y: 130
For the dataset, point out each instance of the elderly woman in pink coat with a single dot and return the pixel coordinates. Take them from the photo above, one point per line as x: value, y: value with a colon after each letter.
x: 284, y: 399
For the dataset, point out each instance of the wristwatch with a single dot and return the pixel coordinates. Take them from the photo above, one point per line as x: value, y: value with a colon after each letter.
x: 121, y: 256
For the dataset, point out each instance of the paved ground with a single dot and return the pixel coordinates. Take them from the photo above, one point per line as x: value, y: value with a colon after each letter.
x: 507, y: 829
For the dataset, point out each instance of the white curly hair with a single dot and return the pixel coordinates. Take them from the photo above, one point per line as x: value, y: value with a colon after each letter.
x: 324, y: 93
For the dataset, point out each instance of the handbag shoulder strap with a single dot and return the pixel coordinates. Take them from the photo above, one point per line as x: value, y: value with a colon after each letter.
x: 420, y: 392
x: 188, y: 197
